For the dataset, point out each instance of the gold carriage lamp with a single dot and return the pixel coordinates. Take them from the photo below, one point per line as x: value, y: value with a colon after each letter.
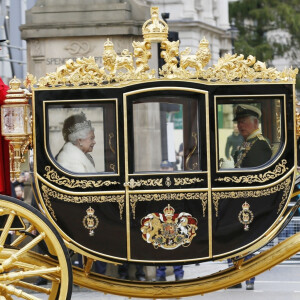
x: 16, y: 125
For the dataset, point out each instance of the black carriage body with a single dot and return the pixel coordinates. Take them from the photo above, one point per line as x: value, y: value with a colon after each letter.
x: 202, y: 212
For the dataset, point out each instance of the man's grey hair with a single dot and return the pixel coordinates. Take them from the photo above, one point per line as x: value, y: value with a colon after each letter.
x: 81, y: 134
x: 253, y: 118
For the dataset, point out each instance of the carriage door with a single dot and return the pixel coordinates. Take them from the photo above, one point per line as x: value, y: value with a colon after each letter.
x: 166, y: 174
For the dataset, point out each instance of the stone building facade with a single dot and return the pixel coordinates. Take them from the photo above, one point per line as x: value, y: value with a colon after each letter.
x: 56, y: 30
x: 195, y: 19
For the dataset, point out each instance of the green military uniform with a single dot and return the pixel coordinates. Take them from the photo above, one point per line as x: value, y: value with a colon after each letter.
x: 253, y: 152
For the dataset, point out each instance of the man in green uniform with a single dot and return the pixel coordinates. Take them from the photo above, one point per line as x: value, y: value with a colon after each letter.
x: 255, y: 149
x: 253, y: 152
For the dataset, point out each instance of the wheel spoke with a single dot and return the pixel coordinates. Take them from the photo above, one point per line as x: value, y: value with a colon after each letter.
x: 9, y: 289
x: 8, y: 262
x: 32, y: 287
x: 22, y: 236
x: 7, y: 297
x: 23, y: 274
x: 6, y: 229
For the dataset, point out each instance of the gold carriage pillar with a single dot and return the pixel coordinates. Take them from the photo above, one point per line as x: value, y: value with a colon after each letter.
x: 16, y: 125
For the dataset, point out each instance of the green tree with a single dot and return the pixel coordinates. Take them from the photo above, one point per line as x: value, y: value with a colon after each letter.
x: 255, y: 18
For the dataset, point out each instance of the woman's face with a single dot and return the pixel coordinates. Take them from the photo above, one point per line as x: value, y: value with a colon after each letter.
x: 87, y: 144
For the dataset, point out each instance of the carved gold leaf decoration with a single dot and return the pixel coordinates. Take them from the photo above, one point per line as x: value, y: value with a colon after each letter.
x: 269, y: 175
x: 82, y: 71
x: 135, y: 198
x: 52, y: 176
x: 49, y: 193
x: 169, y: 54
x: 142, y: 54
x: 151, y: 182
x: 47, y: 201
x: 233, y: 67
x: 285, y: 186
x: 186, y: 180
x: 29, y: 81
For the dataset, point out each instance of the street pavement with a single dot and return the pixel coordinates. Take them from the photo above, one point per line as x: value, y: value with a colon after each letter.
x: 280, y: 283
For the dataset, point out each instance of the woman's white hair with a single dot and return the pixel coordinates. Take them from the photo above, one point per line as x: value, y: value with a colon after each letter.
x: 80, y: 134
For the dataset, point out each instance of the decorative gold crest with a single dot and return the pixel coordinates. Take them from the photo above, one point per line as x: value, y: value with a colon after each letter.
x: 168, y: 182
x: 90, y: 221
x: 169, y: 230
x: 246, y: 216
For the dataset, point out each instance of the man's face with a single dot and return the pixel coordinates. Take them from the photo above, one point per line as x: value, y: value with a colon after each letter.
x: 246, y: 126
x: 19, y: 192
x: 235, y: 129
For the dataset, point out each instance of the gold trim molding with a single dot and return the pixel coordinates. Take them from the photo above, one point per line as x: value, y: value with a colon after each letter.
x: 285, y: 186
x: 261, y: 178
x: 52, y: 176
x: 50, y: 193
x: 135, y: 198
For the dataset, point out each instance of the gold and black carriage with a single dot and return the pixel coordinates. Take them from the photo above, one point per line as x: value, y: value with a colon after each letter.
x: 160, y: 194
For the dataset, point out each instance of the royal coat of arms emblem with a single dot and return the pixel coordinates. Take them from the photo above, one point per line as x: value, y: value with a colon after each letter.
x: 169, y: 230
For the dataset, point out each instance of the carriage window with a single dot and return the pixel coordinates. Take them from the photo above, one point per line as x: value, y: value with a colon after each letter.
x: 249, y: 131
x: 82, y: 139
x: 166, y: 134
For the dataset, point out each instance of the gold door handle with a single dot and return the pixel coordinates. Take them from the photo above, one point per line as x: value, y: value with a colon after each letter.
x: 132, y: 183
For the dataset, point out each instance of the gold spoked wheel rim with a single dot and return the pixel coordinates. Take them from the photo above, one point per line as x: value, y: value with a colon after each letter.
x: 20, y: 261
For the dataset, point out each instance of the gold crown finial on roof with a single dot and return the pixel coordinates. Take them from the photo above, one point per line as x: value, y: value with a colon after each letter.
x: 204, y: 42
x: 155, y: 29
x: 108, y: 44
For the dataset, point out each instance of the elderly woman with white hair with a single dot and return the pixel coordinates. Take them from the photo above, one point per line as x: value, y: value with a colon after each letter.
x: 79, y: 136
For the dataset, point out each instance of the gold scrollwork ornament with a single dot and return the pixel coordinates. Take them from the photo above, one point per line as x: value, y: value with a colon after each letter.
x: 246, y: 215
x: 90, y: 221
x: 279, y: 169
x: 186, y: 180
x: 53, y: 176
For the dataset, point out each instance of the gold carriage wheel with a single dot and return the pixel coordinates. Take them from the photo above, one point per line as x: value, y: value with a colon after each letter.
x: 20, y: 262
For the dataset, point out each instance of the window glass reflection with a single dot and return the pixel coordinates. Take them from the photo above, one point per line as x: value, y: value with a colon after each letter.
x: 78, y: 140
x: 165, y: 134
x: 249, y: 132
